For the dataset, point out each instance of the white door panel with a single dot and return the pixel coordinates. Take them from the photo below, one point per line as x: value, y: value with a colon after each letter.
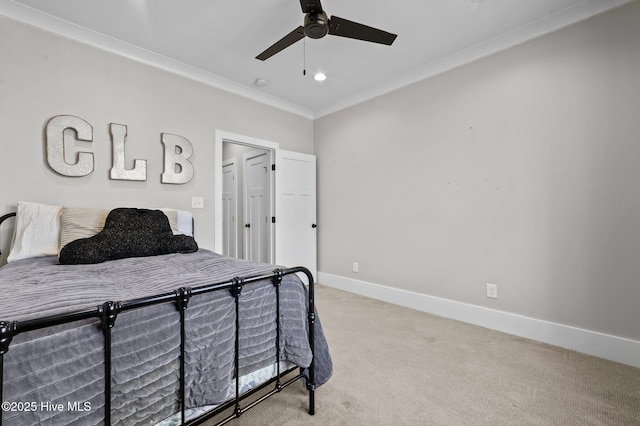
x: 229, y: 209
x: 296, y: 210
x: 257, y: 206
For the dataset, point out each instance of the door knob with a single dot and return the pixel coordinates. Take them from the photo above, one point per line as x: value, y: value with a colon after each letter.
x: 314, y: 225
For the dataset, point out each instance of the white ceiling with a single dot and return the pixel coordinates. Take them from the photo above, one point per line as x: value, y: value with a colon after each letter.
x: 216, y: 41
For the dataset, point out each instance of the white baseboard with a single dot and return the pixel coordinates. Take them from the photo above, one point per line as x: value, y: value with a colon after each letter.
x: 613, y: 348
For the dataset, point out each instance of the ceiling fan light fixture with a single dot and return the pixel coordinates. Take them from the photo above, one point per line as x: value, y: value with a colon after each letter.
x: 320, y: 76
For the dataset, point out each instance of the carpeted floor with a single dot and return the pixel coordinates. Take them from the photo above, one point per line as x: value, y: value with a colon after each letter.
x: 397, y: 366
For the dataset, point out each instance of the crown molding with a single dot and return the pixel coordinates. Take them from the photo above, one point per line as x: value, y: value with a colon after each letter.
x: 60, y: 27
x: 561, y: 19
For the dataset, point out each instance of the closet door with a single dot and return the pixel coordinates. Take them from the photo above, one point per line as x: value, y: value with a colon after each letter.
x: 257, y: 206
x: 229, y: 209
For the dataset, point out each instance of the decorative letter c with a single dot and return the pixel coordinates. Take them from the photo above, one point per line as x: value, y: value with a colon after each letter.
x: 55, y: 145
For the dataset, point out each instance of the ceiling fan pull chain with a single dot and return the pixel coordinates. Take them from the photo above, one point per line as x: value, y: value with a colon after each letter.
x: 304, y: 57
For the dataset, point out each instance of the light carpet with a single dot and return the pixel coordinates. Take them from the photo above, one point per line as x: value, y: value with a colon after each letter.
x: 398, y: 366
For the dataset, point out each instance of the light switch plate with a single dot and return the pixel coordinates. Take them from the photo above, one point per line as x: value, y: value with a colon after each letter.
x: 197, y: 202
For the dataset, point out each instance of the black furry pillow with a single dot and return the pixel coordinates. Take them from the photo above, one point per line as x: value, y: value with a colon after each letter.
x: 128, y: 232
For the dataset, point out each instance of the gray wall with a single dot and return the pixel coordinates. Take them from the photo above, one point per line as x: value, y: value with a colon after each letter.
x: 42, y: 75
x: 521, y: 169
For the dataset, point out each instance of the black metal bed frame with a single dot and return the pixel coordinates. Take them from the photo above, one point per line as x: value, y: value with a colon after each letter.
x: 108, y: 312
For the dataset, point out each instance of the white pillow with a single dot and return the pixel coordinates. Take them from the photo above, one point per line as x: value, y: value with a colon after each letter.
x: 37, y: 231
x: 184, y: 221
x: 172, y: 215
x: 76, y: 223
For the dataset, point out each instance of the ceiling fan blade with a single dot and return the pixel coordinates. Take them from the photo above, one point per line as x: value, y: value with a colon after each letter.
x: 283, y: 43
x: 344, y: 28
x: 311, y: 6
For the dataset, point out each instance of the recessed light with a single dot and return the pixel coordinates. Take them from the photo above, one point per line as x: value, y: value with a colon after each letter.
x: 261, y: 82
x: 319, y: 77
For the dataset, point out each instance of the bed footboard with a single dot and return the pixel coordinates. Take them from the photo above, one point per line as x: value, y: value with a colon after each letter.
x: 107, y: 313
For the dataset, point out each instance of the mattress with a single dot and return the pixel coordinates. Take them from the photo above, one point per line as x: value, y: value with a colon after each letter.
x: 59, y: 371
x: 247, y: 382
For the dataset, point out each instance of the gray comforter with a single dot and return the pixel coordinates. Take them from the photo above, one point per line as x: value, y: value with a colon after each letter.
x: 55, y: 376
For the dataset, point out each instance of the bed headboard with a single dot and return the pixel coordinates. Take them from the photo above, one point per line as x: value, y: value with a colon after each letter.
x: 5, y: 237
x: 6, y: 216
x: 182, y: 222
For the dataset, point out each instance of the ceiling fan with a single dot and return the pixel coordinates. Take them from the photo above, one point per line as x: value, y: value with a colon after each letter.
x: 317, y: 25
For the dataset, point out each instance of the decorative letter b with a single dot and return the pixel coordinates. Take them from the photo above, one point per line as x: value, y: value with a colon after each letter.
x: 177, y: 167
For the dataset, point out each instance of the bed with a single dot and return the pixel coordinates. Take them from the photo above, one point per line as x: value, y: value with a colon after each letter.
x: 174, y: 338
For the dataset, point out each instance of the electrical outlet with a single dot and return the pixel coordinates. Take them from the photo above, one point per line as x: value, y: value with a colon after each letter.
x: 197, y: 202
x: 355, y: 267
x: 492, y: 291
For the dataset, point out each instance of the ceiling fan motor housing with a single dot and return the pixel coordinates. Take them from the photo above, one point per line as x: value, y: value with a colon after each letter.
x: 316, y: 25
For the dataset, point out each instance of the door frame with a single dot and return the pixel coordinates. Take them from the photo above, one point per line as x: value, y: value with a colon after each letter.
x: 220, y: 138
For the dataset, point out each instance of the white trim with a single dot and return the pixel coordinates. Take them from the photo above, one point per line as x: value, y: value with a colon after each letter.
x: 44, y: 21
x: 223, y: 136
x: 563, y: 18
x: 602, y: 345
